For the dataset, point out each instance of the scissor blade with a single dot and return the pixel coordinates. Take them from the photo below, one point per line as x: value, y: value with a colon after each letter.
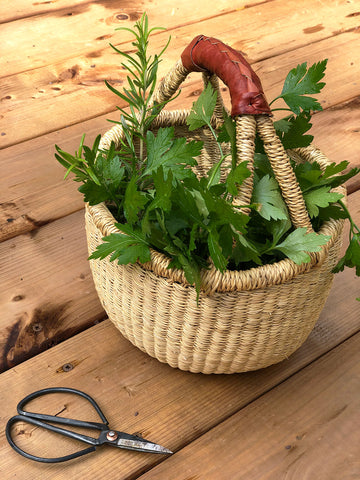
x: 132, y: 442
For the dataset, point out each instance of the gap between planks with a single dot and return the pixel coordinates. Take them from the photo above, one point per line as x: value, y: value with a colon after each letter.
x: 33, y: 163
x: 48, y: 293
x: 306, y: 427
x: 287, y: 32
x: 174, y: 408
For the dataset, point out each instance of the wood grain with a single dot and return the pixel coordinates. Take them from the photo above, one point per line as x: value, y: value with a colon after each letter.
x: 295, y: 420
x: 33, y: 163
x: 47, y: 293
x: 105, y: 16
x: 51, y: 296
x: 314, y: 434
x: 138, y: 394
x: 44, y: 91
x: 24, y: 9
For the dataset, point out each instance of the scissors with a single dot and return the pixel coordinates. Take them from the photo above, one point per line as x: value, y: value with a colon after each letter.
x: 106, y: 437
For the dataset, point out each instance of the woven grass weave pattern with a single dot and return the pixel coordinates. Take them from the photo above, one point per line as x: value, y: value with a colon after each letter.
x: 245, y: 320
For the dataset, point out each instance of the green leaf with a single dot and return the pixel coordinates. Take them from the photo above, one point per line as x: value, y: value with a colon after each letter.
x: 351, y: 258
x: 172, y: 154
x: 163, y: 190
x: 134, y: 201
x: 109, y: 169
x: 335, y: 168
x: 93, y: 193
x: 158, y: 145
x: 162, y: 198
x: 332, y: 211
x: 310, y: 175
x: 227, y: 133
x: 278, y: 229
x: 221, y: 212
x: 236, y: 178
x: 301, y: 81
x: 320, y: 197
x: 203, y: 109
x: 125, y: 249
x: 245, y: 251
x: 266, y: 193
x: 291, y: 131
x: 217, y: 256
x: 299, y: 242
x: 192, y: 272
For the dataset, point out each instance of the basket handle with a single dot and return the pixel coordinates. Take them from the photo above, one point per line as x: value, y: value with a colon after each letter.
x: 209, y: 54
x: 252, y: 112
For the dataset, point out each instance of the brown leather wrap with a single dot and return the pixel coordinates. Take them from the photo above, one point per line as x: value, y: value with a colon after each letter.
x: 207, y: 53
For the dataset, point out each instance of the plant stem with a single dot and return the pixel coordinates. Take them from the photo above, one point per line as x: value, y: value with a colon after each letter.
x: 281, y: 109
x: 353, y: 226
x: 222, y: 156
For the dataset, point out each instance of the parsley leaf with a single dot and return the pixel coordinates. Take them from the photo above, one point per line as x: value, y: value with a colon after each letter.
x: 352, y: 256
x: 175, y: 154
x: 227, y: 133
x: 266, y: 193
x: 320, y: 197
x: 125, y: 248
x: 134, y: 200
x: 236, y: 177
x: 299, y: 242
x: 203, y: 109
x: 301, y: 81
x: 216, y: 252
x: 93, y: 193
x: 291, y: 130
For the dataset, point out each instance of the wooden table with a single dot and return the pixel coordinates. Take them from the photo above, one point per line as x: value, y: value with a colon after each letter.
x: 296, y: 420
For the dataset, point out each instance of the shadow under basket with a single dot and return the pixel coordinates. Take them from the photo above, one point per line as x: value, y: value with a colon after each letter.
x: 244, y: 320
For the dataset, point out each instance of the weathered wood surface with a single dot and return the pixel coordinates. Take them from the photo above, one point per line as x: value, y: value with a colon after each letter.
x: 47, y: 293
x: 46, y: 83
x: 22, y: 209
x: 286, y: 421
x: 307, y: 428
x: 174, y: 408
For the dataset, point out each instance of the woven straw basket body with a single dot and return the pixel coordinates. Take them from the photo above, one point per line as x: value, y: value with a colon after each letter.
x: 244, y: 320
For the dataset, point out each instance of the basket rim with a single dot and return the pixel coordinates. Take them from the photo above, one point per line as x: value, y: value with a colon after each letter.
x: 231, y: 280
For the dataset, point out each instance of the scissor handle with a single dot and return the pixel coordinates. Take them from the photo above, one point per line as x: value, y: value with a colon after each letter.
x: 40, y: 419
x: 33, y: 421
x: 67, y: 421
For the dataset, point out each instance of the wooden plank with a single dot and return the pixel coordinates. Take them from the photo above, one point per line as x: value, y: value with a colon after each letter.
x: 40, y: 39
x: 89, y: 97
x: 342, y: 142
x: 23, y: 8
x: 138, y: 394
x: 45, y: 93
x: 47, y: 293
x: 306, y: 428
x: 95, y: 22
x: 32, y: 163
x: 33, y: 190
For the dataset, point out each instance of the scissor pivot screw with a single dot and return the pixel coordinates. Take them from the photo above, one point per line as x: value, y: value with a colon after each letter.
x: 111, y: 436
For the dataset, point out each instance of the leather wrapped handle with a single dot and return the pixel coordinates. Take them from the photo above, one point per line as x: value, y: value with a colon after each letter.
x: 209, y: 54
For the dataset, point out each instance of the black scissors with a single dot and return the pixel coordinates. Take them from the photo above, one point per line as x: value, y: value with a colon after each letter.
x: 106, y: 437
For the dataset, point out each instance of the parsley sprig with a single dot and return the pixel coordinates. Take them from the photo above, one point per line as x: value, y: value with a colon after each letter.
x: 159, y: 203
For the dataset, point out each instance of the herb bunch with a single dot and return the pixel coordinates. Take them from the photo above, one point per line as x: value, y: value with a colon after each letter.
x: 159, y: 203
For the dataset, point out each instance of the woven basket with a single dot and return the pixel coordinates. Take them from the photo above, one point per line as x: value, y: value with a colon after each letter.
x: 244, y: 320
